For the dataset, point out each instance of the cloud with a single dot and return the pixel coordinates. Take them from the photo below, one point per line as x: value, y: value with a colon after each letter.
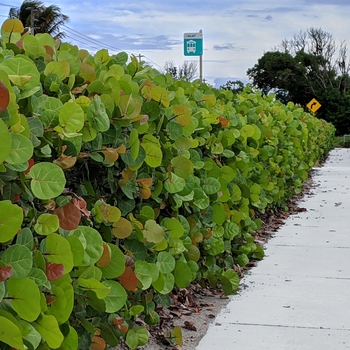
x: 228, y: 46
x: 268, y: 18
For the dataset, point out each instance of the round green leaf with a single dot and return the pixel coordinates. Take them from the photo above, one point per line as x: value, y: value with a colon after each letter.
x: 137, y: 336
x: 26, y: 298
x: 97, y: 115
x: 46, y: 224
x: 165, y: 262
x: 71, y: 117
x: 117, y: 297
x: 78, y: 249
x: 19, y: 257
x: 93, y: 284
x: 11, y: 218
x: 182, y: 166
x: 48, y: 328
x: 183, y: 274
x: 92, y: 243
x: 116, y: 267
x: 175, y: 228
x: 153, y: 232
x: 30, y: 334
x: 174, y: 183
x: 6, y: 141
x: 174, y: 130
x: 154, y: 154
x: 10, y: 334
x: 143, y: 271
x: 48, y: 180
x: 211, y: 185
x: 21, y: 151
x: 59, y: 251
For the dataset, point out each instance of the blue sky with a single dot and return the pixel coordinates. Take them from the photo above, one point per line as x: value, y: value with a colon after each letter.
x: 235, y: 33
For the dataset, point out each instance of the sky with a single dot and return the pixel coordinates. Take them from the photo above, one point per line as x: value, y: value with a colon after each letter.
x: 235, y: 33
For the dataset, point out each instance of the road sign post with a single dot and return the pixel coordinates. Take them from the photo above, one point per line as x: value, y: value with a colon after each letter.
x: 313, y: 105
x: 193, y: 46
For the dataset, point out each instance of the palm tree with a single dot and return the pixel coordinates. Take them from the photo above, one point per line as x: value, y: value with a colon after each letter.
x: 46, y: 19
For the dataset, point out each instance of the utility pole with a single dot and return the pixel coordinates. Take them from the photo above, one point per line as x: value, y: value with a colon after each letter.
x: 201, y: 64
x: 140, y: 56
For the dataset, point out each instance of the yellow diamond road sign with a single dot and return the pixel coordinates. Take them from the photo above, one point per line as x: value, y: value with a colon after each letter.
x: 313, y: 105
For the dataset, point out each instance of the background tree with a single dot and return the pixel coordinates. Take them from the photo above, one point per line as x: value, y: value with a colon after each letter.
x: 188, y: 70
x: 47, y: 19
x: 311, y: 65
x: 235, y: 86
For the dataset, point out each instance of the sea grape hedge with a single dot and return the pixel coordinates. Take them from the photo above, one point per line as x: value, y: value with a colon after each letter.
x: 118, y: 183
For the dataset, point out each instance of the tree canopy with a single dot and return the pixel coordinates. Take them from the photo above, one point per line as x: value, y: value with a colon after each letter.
x: 46, y: 19
x: 311, y: 65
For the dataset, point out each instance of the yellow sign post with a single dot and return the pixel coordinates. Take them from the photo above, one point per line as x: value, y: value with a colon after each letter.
x: 313, y: 105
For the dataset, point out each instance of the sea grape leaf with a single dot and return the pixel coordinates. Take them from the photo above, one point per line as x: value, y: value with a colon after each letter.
x: 182, y: 274
x: 93, y: 284
x: 182, y: 166
x: 21, y: 150
x: 97, y: 115
x: 160, y: 94
x: 38, y: 276
x: 11, y: 218
x: 175, y: 228
x: 92, y: 243
x: 69, y: 216
x: 143, y: 271
x: 128, y: 279
x: 19, y: 257
x: 105, y: 258
x: 48, y: 180
x: 48, y: 328
x: 12, y: 25
x: 71, y: 117
x: 6, y: 141
x: 122, y: 228
x: 154, y: 154
x: 54, y: 271
x: 174, y: 130
x: 21, y: 72
x: 165, y: 262
x: 26, y: 298
x: 211, y: 185
x: 174, y: 183
x: 5, y: 273
x: 4, y: 97
x: 117, y: 297
x: 183, y: 115
x: 153, y: 232
x: 116, y: 266
x: 70, y: 341
x: 10, y: 333
x: 30, y: 334
x: 59, y: 251
x: 59, y: 68
x: 46, y: 224
x: 137, y: 336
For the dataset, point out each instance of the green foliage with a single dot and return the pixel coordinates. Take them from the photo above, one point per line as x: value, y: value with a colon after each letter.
x: 119, y: 183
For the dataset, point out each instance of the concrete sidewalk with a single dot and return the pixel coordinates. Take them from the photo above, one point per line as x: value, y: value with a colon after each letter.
x: 298, y: 297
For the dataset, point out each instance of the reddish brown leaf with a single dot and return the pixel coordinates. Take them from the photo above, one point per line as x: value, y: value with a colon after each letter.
x: 98, y: 343
x: 190, y: 326
x: 54, y: 271
x: 69, y: 216
x: 5, y: 273
x: 223, y: 121
x: 128, y: 279
x: 49, y: 50
x: 30, y: 164
x: 4, y: 97
x: 50, y: 300
x: 80, y: 203
x: 120, y: 324
x: 105, y: 258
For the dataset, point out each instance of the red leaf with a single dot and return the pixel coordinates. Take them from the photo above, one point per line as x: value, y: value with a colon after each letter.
x: 5, y: 273
x: 30, y: 164
x: 128, y: 279
x: 69, y: 216
x: 54, y: 271
x: 80, y: 203
x: 223, y: 121
x: 50, y: 300
x: 120, y: 324
x: 4, y: 97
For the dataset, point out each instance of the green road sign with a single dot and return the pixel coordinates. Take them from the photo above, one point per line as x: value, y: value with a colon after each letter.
x: 193, y: 44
